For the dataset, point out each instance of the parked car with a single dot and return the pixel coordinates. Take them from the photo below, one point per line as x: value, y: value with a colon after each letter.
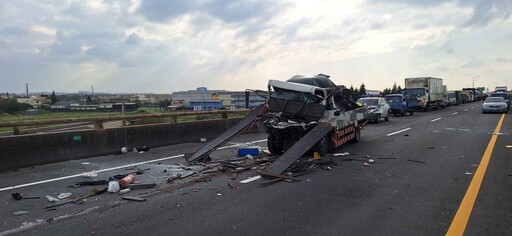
x: 494, y: 104
x: 377, y: 108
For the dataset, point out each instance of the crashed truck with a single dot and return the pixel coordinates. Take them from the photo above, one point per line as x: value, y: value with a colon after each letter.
x: 300, y: 115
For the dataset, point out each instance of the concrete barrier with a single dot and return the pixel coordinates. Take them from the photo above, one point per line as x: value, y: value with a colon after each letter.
x: 37, y: 149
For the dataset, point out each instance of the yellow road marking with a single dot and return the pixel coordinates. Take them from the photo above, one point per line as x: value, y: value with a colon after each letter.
x: 461, y: 218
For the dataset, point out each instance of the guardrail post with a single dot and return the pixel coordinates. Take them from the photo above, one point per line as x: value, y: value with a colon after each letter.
x: 98, y: 124
x: 174, y: 119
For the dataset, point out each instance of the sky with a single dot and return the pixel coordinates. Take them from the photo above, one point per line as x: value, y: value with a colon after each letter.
x: 140, y: 46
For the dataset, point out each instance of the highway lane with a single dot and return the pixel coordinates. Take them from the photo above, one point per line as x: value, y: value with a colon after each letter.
x: 396, y: 196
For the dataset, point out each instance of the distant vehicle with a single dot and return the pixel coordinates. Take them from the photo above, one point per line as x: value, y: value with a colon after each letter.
x: 454, y: 98
x: 464, y: 97
x: 501, y: 89
x: 446, y: 103
x: 494, y: 104
x: 504, y: 95
x: 377, y: 108
x: 400, y: 104
x: 427, y: 90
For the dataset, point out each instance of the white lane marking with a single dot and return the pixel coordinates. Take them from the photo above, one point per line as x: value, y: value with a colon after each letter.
x: 465, y: 109
x: 250, y: 179
x: 455, y: 113
x: 397, y: 132
x: 436, y: 119
x: 113, y: 168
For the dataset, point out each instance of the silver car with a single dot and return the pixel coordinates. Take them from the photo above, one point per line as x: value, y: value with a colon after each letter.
x: 377, y: 108
x: 494, y: 104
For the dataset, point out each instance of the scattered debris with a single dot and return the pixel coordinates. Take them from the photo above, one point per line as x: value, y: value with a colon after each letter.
x: 508, y: 146
x: 203, y: 140
x: 493, y: 133
x: 327, y: 168
x: 19, y: 196
x: 113, y: 186
x: 251, y: 179
x: 474, y: 165
x: 233, y: 186
x: 469, y: 173
x: 422, y: 162
x: 172, y: 178
x: 430, y: 147
x: 18, y: 213
x: 253, y: 151
x: 126, y: 180
x: 272, y: 175
x: 63, y: 195
x: 77, y: 200
x: 140, y: 186
x: 366, y: 164
x: 90, y: 174
x: 131, y: 198
x: 86, y: 163
x: 88, y: 183
x: 142, y: 149
x: 51, y: 199
x: 219, y: 194
x: 406, y: 135
x: 371, y: 160
x: 124, y: 150
x: 386, y: 158
x: 340, y: 154
x: 123, y: 191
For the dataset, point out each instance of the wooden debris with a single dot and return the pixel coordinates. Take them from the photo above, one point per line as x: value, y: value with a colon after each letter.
x: 140, y: 186
x: 131, y: 198
x: 422, y: 162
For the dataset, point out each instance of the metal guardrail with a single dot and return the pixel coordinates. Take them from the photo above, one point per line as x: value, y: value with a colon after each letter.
x: 99, y: 120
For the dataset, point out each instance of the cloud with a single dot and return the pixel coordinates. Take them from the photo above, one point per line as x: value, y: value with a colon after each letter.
x: 504, y: 59
x: 487, y: 11
x: 12, y: 31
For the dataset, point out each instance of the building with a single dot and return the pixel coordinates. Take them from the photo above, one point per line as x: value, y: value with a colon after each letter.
x: 35, y: 102
x: 228, y: 99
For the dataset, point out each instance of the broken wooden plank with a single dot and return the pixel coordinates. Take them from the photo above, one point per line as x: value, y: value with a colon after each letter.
x: 267, y: 174
x: 131, y: 198
x: 299, y: 148
x: 140, y: 186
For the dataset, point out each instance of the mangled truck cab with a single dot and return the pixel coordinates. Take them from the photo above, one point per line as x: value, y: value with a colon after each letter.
x: 298, y: 105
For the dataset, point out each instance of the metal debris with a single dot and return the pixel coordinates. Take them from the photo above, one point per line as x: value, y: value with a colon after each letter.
x: 422, y: 162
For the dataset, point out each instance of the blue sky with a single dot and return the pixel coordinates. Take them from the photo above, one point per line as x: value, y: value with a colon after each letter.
x: 166, y: 46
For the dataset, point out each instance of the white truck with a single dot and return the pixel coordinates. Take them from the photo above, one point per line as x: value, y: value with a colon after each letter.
x: 501, y: 89
x: 427, y: 90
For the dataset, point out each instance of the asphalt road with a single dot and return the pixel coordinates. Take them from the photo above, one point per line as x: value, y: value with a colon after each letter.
x: 424, y: 166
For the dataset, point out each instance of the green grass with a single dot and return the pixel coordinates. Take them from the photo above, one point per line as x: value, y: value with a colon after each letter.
x: 143, y: 110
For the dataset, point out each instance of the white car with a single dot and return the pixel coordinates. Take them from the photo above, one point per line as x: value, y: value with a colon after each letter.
x: 494, y: 104
x: 377, y: 108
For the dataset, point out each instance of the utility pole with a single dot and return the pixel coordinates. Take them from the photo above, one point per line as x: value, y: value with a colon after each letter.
x: 474, y: 80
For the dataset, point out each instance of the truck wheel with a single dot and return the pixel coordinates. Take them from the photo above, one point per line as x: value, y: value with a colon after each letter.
x: 411, y: 112
x: 357, y: 135
x: 323, y: 146
x: 403, y: 113
x: 386, y: 118
x: 274, y: 145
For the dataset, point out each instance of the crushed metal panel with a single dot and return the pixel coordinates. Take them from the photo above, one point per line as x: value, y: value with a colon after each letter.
x: 226, y: 136
x: 299, y: 149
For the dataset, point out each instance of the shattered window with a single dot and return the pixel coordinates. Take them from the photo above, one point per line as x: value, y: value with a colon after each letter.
x: 295, y: 96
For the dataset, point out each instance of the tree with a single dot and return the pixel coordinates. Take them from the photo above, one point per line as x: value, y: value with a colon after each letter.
x: 362, y: 90
x: 399, y: 89
x: 53, y: 98
x: 394, y: 88
x: 11, y: 105
x: 89, y: 100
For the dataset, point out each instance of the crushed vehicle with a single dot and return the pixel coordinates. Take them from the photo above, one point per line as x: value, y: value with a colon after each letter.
x: 401, y: 104
x: 304, y: 113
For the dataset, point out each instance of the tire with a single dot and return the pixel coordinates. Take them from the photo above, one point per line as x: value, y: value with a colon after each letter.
x: 387, y: 117
x: 323, y: 146
x: 411, y: 112
x: 357, y: 136
x: 274, y: 145
x: 377, y: 120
